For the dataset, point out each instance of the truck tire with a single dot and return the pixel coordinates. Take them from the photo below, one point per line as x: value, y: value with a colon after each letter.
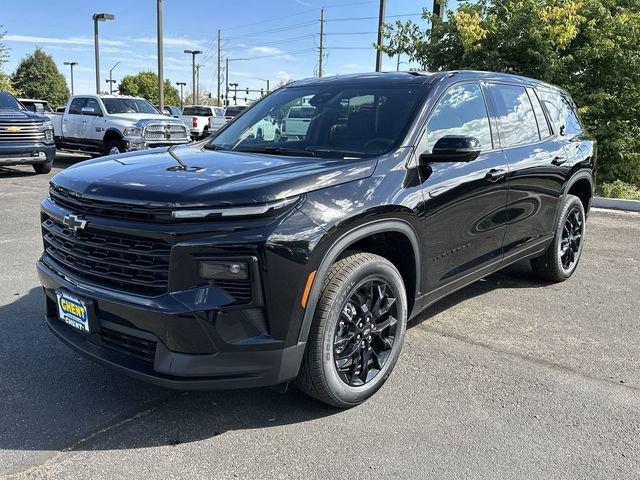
x: 41, y: 168
x: 114, y: 147
x: 357, y: 331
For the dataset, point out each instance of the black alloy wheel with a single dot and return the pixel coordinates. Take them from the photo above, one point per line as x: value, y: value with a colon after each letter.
x: 569, y: 246
x: 365, y: 333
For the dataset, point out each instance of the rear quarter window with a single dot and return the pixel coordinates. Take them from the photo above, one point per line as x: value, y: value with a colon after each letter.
x: 562, y: 111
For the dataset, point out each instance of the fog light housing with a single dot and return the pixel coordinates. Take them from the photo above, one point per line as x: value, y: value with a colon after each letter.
x: 224, y: 270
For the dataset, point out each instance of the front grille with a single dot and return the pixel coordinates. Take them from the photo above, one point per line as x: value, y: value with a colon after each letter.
x: 21, y: 131
x: 240, y: 290
x: 77, y: 204
x: 114, y: 260
x: 165, y: 133
x: 140, y: 348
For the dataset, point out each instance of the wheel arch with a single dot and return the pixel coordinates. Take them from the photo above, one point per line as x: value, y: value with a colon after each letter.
x: 581, y: 185
x: 111, y: 134
x: 354, y: 239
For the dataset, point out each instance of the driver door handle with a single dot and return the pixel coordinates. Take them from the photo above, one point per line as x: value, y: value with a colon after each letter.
x: 558, y: 161
x: 495, y: 174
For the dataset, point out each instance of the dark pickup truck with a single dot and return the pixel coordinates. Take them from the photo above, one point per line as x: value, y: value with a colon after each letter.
x: 26, y: 138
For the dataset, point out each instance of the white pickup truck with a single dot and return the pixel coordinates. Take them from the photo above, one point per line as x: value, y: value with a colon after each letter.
x: 107, y: 125
x: 202, y: 119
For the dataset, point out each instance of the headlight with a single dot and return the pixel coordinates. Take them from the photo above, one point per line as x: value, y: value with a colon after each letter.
x: 133, y: 132
x: 223, y: 270
x: 243, y: 211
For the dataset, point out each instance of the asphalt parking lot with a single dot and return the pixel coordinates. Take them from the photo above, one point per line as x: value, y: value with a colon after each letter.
x: 507, y: 378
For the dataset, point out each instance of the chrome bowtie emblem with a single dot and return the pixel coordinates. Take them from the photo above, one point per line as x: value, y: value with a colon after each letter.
x: 74, y: 222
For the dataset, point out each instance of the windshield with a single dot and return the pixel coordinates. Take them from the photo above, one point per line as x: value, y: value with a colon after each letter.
x: 8, y: 101
x: 197, y: 111
x: 128, y: 105
x: 337, y: 121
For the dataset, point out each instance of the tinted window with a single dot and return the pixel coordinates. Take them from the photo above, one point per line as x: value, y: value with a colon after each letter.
x: 562, y: 112
x: 197, y: 111
x: 348, y: 121
x: 93, y: 103
x: 543, y: 125
x: 8, y: 101
x: 233, y: 111
x: 462, y: 112
x: 516, y: 119
x: 76, y: 105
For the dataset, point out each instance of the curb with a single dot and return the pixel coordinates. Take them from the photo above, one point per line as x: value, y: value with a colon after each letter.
x: 616, y: 204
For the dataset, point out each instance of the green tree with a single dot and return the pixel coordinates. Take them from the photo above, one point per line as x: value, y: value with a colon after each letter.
x: 145, y: 85
x: 38, y: 77
x: 589, y: 47
x: 5, y: 82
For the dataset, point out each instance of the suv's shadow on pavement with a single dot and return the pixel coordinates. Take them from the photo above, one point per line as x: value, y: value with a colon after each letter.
x: 53, y: 399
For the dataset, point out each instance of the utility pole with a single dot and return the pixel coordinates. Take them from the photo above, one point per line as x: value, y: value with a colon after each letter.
x: 219, y: 66
x: 111, y: 81
x: 98, y: 17
x: 321, y: 42
x: 71, y: 64
x: 197, y: 84
x: 226, y: 81
x: 193, y: 54
x: 380, y: 28
x: 181, y: 84
x: 437, y: 8
x: 398, y: 64
x: 160, y: 57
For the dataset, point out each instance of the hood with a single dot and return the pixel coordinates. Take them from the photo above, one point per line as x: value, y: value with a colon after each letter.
x: 7, y: 115
x: 215, y: 178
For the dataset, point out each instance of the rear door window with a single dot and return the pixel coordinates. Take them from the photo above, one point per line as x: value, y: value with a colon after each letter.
x: 515, y: 115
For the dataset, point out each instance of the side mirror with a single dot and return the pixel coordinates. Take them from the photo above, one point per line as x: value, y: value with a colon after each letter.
x: 452, y: 148
x: 90, y: 111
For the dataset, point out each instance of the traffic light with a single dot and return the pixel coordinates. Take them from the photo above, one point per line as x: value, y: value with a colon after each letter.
x: 247, y: 91
x: 437, y: 8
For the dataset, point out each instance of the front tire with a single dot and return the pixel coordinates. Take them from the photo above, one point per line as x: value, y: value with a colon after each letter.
x: 357, y: 332
x: 115, y: 147
x: 41, y: 168
x: 561, y: 259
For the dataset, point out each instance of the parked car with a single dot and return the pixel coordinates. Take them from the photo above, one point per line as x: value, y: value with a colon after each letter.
x: 233, y: 111
x: 218, y: 120
x: 36, y: 106
x: 197, y: 119
x: 298, y: 120
x: 104, y: 124
x: 246, y: 261
x: 26, y: 138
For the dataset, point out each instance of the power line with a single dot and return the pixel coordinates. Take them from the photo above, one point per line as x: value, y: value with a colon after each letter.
x: 372, y: 18
x: 274, y: 30
x: 279, y: 54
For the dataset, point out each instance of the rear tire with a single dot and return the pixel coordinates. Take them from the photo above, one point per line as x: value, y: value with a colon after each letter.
x: 355, y: 339
x: 41, y: 168
x: 115, y: 147
x: 561, y: 259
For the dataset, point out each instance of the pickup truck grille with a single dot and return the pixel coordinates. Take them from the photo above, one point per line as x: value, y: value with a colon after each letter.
x: 165, y: 133
x: 20, y: 132
x: 104, y: 208
x: 109, y: 259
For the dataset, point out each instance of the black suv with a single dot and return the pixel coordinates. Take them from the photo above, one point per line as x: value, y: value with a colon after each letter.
x: 253, y: 258
x: 26, y: 138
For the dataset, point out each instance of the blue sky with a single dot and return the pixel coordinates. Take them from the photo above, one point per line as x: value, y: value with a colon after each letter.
x: 283, y: 32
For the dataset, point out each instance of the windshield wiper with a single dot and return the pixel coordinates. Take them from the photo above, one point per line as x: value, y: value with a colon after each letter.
x: 279, y: 151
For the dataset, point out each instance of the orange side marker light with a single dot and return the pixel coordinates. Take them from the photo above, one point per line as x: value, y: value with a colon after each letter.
x: 307, y: 289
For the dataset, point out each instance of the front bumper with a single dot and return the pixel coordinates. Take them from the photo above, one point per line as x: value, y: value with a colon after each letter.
x: 137, y: 144
x: 169, y: 340
x: 20, y: 153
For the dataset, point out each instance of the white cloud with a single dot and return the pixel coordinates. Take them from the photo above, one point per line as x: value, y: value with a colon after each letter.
x: 182, y: 42
x: 56, y: 40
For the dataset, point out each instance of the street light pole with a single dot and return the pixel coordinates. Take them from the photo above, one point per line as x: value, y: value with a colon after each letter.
x: 181, y: 84
x: 160, y: 58
x: 380, y: 28
x: 111, y: 80
x: 193, y: 54
x: 98, y: 17
x: 71, y: 64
